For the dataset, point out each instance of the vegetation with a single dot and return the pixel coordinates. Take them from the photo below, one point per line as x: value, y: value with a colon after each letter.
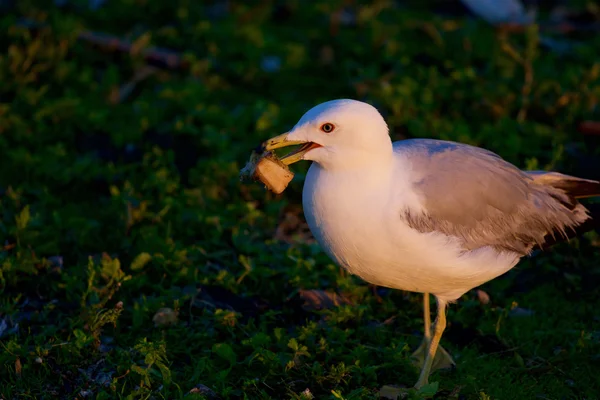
x: 134, y: 264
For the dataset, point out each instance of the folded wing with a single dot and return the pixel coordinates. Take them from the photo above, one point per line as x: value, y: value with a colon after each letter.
x: 474, y: 195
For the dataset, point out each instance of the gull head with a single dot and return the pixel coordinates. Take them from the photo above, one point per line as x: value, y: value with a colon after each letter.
x: 337, y: 134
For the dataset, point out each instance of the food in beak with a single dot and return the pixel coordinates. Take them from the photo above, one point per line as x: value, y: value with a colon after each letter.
x: 268, y: 169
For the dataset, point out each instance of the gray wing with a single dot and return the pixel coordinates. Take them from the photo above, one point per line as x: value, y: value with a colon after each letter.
x: 475, y: 195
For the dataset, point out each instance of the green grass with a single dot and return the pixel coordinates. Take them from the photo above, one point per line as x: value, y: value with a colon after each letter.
x: 111, y: 211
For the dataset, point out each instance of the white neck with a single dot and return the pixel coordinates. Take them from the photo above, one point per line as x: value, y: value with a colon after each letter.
x: 356, y: 160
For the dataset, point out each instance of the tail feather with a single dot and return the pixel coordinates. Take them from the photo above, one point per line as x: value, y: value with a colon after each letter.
x: 576, y: 189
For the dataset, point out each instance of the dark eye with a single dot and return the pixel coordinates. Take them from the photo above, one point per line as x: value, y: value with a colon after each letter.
x: 327, y: 127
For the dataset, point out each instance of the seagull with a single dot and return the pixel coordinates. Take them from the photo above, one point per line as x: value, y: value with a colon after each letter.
x: 421, y: 215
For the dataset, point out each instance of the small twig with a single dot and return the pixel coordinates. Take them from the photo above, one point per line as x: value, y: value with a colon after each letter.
x: 591, y: 128
x: 7, y: 350
x: 498, y: 352
x: 120, y: 95
x: 122, y: 376
x: 526, y: 90
x: 156, y: 56
x: 153, y: 55
x: 561, y: 27
x: 526, y: 62
x: 60, y: 344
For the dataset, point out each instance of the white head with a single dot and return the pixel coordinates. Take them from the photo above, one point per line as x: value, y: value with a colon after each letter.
x: 337, y: 134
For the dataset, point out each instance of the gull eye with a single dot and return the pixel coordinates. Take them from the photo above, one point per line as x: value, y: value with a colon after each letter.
x: 327, y: 127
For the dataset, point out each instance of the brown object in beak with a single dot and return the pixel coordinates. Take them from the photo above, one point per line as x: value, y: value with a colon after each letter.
x: 269, y: 170
x: 274, y: 174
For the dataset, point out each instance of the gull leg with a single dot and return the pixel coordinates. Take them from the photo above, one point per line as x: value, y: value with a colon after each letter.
x: 430, y: 356
x: 433, y: 345
x: 426, y: 317
x: 442, y: 359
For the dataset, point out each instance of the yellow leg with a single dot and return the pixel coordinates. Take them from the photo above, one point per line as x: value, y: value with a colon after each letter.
x: 426, y: 317
x: 430, y: 356
x: 418, y: 357
x: 438, y: 330
x: 442, y: 359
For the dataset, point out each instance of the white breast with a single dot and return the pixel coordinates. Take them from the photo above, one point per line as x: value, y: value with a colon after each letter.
x: 356, y: 218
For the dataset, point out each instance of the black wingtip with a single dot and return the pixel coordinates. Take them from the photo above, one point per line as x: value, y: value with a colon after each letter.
x: 592, y: 223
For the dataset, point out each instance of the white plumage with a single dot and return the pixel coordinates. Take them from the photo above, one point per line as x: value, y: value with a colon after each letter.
x: 356, y: 218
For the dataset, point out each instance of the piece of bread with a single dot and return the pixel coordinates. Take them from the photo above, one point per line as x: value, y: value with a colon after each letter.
x: 267, y: 168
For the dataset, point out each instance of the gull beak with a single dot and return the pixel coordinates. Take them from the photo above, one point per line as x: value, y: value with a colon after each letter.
x: 283, y: 140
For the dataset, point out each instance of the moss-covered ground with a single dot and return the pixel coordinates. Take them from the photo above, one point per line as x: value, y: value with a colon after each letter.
x: 134, y: 264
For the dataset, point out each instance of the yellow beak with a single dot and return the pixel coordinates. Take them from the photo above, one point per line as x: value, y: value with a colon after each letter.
x: 282, y: 140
